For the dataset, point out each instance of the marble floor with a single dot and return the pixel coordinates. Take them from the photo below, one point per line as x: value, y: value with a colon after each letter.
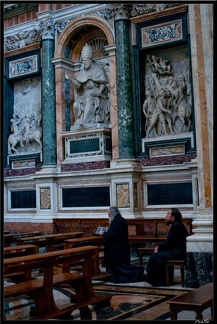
x: 131, y: 301
x: 160, y: 311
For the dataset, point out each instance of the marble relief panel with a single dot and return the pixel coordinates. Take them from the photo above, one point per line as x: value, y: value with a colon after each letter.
x: 26, y: 131
x: 45, y: 198
x: 168, y: 99
x: 123, y: 199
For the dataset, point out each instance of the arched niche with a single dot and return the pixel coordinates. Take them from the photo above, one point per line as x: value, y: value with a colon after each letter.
x: 79, y: 32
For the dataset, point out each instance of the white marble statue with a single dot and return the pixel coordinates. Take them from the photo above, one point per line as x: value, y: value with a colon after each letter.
x: 92, y: 101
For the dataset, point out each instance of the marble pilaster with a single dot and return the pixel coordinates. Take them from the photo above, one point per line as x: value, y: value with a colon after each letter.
x: 113, y: 101
x: 200, y: 244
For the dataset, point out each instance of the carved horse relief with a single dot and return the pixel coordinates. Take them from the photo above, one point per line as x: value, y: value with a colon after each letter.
x: 13, y: 139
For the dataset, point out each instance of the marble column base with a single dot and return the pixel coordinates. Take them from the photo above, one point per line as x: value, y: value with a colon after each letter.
x: 199, y: 269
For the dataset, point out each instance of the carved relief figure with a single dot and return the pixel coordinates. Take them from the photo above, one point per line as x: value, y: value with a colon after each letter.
x: 92, y: 101
x: 26, y: 130
x: 182, y: 118
x: 27, y: 100
x: 172, y: 111
x: 159, y: 64
x: 15, y: 122
x: 158, y: 114
x: 149, y: 107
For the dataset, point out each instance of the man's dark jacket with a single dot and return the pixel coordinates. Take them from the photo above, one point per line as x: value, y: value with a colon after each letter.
x: 173, y: 248
x: 117, y: 253
x: 116, y: 242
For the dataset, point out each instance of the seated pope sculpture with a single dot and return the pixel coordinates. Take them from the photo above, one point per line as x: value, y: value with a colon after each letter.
x: 91, y: 83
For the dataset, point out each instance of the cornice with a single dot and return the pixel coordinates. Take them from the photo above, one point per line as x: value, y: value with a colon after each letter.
x: 159, y: 14
x: 18, y: 9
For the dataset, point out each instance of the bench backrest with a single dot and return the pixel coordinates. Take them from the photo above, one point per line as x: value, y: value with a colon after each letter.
x: 139, y: 226
x: 42, y: 260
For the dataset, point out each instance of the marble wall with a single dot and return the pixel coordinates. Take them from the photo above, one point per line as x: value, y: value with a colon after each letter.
x: 56, y: 34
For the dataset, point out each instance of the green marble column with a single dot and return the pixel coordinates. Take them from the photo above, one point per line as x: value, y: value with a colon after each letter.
x: 124, y: 89
x: 48, y: 96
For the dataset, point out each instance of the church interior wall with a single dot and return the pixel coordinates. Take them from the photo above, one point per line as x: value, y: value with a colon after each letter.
x: 90, y: 173
x: 159, y: 153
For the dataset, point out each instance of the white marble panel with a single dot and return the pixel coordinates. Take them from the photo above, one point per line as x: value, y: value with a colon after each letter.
x: 200, y: 247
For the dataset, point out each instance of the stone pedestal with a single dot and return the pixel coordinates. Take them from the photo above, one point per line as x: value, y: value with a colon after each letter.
x: 87, y: 144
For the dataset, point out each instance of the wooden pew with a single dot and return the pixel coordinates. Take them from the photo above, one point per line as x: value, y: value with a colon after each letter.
x: 50, y: 241
x: 93, y: 240
x: 195, y: 300
x: 140, y: 239
x: 145, y: 250
x: 17, y: 251
x: 136, y: 226
x: 41, y: 290
x: 11, y: 238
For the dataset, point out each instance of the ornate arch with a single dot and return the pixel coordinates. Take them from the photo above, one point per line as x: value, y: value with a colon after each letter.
x: 78, y: 25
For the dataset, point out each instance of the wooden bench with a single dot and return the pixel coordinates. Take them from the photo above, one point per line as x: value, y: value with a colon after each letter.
x: 144, y: 239
x: 93, y: 240
x: 41, y: 290
x: 145, y: 250
x: 169, y: 269
x: 11, y: 238
x: 169, y: 265
x: 14, y: 252
x: 196, y: 300
x: 86, y: 225
x: 136, y: 226
x: 19, y: 250
x: 50, y: 241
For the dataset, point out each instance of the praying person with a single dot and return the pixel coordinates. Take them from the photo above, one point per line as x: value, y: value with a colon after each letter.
x: 117, y: 250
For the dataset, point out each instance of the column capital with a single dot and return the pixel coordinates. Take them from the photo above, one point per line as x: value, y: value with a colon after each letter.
x: 47, y: 28
x: 120, y: 10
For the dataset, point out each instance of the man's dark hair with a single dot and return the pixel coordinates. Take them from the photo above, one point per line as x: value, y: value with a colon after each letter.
x: 176, y: 213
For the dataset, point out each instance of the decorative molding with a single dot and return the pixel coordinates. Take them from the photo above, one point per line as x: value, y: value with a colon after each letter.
x: 22, y: 39
x: 160, y: 14
x: 23, y: 66
x: 162, y: 33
